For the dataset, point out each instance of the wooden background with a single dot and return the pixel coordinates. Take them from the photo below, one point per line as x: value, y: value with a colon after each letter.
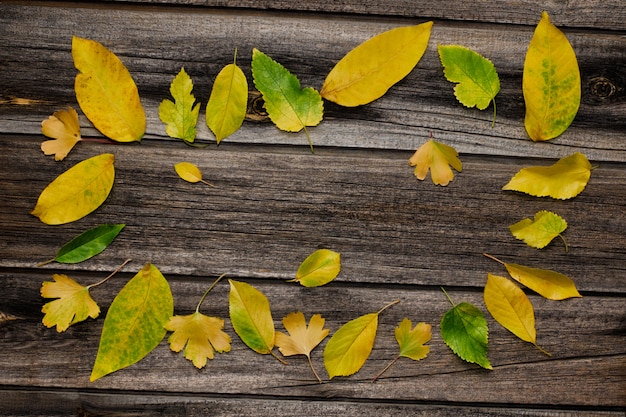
x: 274, y: 203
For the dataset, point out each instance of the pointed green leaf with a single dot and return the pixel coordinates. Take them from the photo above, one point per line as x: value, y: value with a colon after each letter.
x: 251, y: 316
x: 180, y: 116
x: 319, y: 268
x: 135, y: 322
x: 88, y: 244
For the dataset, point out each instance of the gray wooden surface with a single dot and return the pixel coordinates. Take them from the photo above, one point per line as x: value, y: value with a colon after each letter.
x: 274, y: 203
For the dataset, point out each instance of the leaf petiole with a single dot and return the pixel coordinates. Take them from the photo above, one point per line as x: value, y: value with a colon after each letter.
x: 493, y: 258
x: 209, y: 290
x: 386, y: 368
x: 387, y: 306
x: 306, y: 132
x: 313, y: 369
x: 110, y: 275
x: 493, y: 122
x: 448, y: 297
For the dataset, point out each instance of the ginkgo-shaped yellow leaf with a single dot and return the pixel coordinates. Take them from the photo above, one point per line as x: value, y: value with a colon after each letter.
x: 551, y: 82
x: 63, y: 126
x: 565, y: 179
x: 301, y: 339
x: 106, y: 92
x: 180, y: 115
x: 73, y: 304
x: 510, y: 307
x: 437, y: 157
x: 76, y: 192
x: 370, y: 69
x: 541, y: 230
x: 190, y: 173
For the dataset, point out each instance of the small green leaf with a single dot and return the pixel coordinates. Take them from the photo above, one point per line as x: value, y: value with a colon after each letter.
x: 319, y: 268
x: 88, y: 244
x: 180, y: 116
x: 541, y: 230
x: 135, y: 322
x: 251, y: 316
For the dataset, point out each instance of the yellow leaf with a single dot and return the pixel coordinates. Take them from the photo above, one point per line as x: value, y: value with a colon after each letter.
x: 547, y: 283
x: 63, y: 126
x: 436, y: 156
x: 541, y: 230
x: 106, y: 92
x: 412, y: 341
x: 76, y: 192
x: 565, y: 179
x: 551, y: 82
x: 74, y: 303
x: 370, y: 69
x: 200, y: 335
x: 190, y: 172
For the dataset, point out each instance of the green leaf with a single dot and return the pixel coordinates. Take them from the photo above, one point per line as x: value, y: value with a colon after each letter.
x: 88, y: 244
x: 251, y: 316
x: 180, y: 116
x: 464, y: 329
x: 135, y: 322
x: 478, y: 82
x: 226, y: 109
x: 319, y: 268
x: 289, y: 106
x: 541, y: 230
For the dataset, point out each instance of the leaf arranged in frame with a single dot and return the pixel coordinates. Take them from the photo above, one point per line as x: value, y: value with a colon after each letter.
x: 135, y: 322
x: 319, y: 268
x: 366, y: 72
x: 550, y: 83
x: 564, y: 179
x: 541, y: 230
x: 350, y: 346
x: 88, y: 244
x: 547, y: 283
x: 106, y: 92
x: 301, y: 339
x: 476, y: 76
x: 190, y: 173
x: 73, y: 303
x: 437, y: 157
x: 180, y: 115
x: 64, y: 128
x: 76, y: 192
x: 465, y: 331
x: 289, y: 106
x: 228, y: 103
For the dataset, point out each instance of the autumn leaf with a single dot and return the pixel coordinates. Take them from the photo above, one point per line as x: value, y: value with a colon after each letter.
x: 106, y: 92
x: 565, y: 179
x: 135, y: 322
x: 198, y: 334
x: 76, y: 192
x: 227, y: 106
x: 550, y: 83
x: 190, y: 173
x: 289, y: 106
x: 411, y: 341
x: 478, y: 81
x: 301, y: 339
x: 465, y: 331
x: 369, y: 70
x: 180, y: 115
x: 350, y: 346
x: 541, y: 230
x: 319, y: 268
x: 64, y: 127
x: 547, y: 283
x: 438, y: 158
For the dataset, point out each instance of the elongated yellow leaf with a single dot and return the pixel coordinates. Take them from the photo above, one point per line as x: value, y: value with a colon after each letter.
x: 251, y: 316
x: 76, y: 192
x: 549, y: 284
x: 551, y: 82
x: 370, y: 69
x: 106, y: 92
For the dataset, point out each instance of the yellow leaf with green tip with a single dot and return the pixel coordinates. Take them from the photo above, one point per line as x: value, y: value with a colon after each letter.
x: 541, y: 230
x: 251, y: 316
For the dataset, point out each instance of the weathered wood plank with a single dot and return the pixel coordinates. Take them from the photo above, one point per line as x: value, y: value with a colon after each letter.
x: 40, y: 73
x: 270, y: 209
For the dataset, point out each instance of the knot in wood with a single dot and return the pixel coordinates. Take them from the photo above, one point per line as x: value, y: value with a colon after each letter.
x: 602, y: 87
x: 256, y: 107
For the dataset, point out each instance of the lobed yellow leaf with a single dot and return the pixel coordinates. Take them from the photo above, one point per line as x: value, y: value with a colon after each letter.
x: 301, y: 339
x: 64, y: 127
x: 412, y: 340
x: 74, y: 303
x: 437, y: 157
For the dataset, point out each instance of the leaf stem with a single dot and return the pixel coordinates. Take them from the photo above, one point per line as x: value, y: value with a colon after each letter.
x: 386, y: 368
x: 278, y: 358
x: 494, y: 258
x: 493, y: 122
x: 111, y: 274
x: 313, y: 369
x: 542, y: 350
x: 564, y: 242
x: 447, y: 296
x: 207, y: 183
x: 306, y: 132
x: 387, y: 306
x: 40, y: 264
x: 207, y: 291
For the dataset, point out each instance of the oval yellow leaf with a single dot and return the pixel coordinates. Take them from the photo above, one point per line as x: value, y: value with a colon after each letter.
x: 549, y: 284
x: 106, y: 92
x: 76, y: 192
x: 319, y: 268
x: 551, y: 82
x: 370, y: 69
x: 251, y: 317
x: 228, y: 102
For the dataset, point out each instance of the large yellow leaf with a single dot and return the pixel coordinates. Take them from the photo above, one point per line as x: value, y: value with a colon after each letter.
x: 76, y: 192
x: 551, y: 82
x: 549, y: 284
x: 106, y: 92
x: 370, y: 69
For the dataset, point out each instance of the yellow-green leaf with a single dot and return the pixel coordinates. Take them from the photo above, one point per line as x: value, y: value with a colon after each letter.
x: 180, y: 115
x: 190, y: 172
x: 251, y: 316
x: 76, y: 192
x: 64, y: 128
x: 319, y: 268
x: 226, y: 109
x: 541, y: 230
x: 437, y: 157
x: 73, y: 303
x: 565, y: 179
x: 370, y: 69
x: 106, y: 92
x: 551, y: 82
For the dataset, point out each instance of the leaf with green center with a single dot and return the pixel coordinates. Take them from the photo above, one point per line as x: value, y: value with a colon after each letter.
x: 135, y: 322
x: 319, y: 268
x: 88, y: 244
x: 289, y: 106
x: 180, y: 115
x: 478, y: 82
x: 540, y: 231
